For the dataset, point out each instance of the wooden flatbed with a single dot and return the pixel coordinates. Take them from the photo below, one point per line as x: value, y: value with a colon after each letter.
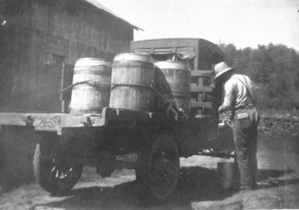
x: 56, y: 122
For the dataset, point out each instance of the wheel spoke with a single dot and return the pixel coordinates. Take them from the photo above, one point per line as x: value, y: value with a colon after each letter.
x: 53, y: 169
x: 162, y: 175
x: 54, y: 175
x: 161, y: 169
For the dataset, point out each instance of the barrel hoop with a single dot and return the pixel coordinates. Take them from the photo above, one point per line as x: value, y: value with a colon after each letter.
x: 98, y: 84
x: 87, y: 68
x: 91, y: 87
x: 130, y: 85
x: 100, y: 73
x: 96, y: 71
x: 88, y: 82
x: 92, y: 63
x: 132, y: 64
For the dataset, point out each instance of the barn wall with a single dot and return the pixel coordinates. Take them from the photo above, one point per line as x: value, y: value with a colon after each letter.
x: 15, y: 45
x: 82, y: 29
x: 40, y: 35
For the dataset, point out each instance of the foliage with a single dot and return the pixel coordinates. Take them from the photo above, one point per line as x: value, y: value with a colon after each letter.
x: 279, y: 123
x: 274, y: 68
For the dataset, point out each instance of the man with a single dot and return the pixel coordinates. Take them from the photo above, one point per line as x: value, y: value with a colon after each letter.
x: 239, y: 99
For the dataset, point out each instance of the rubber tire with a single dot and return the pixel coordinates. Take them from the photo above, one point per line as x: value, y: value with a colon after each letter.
x: 43, y: 165
x: 155, y: 185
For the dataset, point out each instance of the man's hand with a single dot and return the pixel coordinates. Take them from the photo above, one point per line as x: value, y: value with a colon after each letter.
x: 220, y: 109
x: 223, y: 109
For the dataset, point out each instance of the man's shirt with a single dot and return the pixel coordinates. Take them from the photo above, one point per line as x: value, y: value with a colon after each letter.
x: 235, y: 92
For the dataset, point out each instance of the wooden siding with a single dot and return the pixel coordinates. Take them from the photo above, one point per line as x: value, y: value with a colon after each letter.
x: 40, y: 35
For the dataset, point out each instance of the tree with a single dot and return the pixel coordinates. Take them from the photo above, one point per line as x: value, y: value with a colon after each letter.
x: 275, y: 68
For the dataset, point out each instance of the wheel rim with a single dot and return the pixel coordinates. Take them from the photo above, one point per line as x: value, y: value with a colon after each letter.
x: 53, y: 172
x: 58, y: 171
x: 61, y: 171
x: 163, y: 172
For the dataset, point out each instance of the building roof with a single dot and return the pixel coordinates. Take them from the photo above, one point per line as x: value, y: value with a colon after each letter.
x: 102, y: 7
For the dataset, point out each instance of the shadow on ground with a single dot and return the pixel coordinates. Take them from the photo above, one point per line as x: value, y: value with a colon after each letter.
x: 16, y: 156
x: 265, y: 174
x: 196, y: 184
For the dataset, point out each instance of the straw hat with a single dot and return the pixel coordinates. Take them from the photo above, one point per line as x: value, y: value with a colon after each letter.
x: 221, y: 68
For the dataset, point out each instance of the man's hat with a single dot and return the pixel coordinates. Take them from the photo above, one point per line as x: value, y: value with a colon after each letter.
x: 221, y: 68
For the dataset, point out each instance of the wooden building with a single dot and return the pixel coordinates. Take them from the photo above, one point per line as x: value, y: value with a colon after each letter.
x: 40, y: 40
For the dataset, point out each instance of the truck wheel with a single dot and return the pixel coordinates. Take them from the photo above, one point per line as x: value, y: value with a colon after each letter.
x: 162, y: 170
x: 53, y: 177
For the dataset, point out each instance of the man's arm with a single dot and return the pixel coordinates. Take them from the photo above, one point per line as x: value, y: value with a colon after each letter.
x: 229, y: 97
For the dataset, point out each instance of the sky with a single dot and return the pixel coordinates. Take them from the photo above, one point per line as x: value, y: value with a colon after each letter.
x: 244, y: 23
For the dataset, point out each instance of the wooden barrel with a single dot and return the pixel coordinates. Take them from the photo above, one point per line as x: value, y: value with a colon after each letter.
x: 132, y: 77
x: 178, y: 76
x: 93, y: 95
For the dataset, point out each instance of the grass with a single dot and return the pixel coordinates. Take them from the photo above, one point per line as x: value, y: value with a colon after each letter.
x: 271, y: 112
x: 279, y: 141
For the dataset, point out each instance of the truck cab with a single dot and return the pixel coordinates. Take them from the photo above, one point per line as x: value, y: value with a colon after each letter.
x: 205, y: 96
x: 200, y: 55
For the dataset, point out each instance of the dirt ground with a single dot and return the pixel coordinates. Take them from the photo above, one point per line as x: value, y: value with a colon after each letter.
x: 199, y: 186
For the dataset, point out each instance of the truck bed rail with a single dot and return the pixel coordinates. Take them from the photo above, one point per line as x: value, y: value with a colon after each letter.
x: 57, y: 121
